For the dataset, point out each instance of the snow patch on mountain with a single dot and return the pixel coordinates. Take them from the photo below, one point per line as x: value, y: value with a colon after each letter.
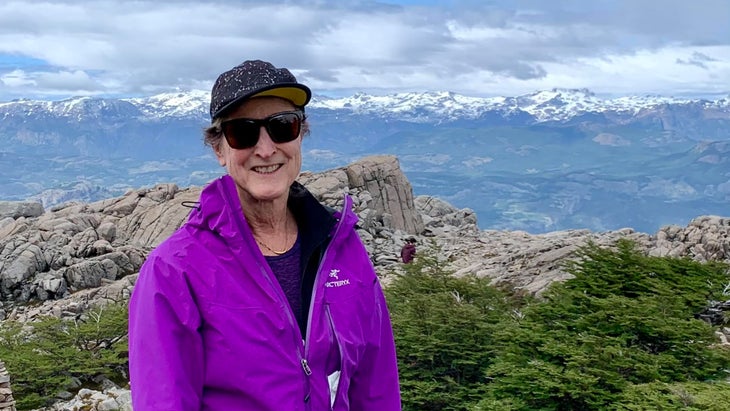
x: 179, y: 104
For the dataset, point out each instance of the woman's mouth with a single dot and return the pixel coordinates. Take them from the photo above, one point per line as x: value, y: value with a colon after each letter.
x: 266, y: 169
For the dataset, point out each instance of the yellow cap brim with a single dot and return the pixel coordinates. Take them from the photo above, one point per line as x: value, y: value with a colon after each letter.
x: 296, y: 95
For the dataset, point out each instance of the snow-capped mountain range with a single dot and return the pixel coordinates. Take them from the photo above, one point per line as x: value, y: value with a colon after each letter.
x: 549, y: 105
x: 553, y: 105
x: 542, y: 161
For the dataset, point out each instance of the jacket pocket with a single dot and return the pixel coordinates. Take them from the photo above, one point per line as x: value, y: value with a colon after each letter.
x: 253, y: 341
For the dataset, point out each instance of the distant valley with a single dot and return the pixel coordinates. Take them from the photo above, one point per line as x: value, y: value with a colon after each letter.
x: 546, y: 161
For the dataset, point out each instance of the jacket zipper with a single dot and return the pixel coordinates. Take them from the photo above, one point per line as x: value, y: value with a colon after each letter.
x: 339, y: 349
x: 297, y: 341
x: 339, y: 225
x: 292, y: 322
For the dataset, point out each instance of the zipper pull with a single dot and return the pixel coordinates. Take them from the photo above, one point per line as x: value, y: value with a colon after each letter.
x: 306, y: 368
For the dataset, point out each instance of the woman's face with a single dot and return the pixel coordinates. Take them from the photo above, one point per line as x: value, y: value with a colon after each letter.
x: 265, y: 171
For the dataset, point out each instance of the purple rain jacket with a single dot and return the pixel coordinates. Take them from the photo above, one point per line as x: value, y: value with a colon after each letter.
x: 211, y: 329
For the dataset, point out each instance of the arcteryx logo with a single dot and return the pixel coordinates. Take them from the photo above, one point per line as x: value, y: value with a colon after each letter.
x: 335, y: 274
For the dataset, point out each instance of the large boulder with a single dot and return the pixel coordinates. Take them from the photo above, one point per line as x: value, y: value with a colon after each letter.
x: 382, y: 194
x: 17, y: 209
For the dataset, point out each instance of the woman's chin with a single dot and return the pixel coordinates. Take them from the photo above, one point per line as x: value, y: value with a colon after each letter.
x: 267, y: 193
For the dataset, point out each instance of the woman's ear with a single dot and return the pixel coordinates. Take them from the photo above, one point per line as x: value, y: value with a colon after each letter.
x: 218, y: 149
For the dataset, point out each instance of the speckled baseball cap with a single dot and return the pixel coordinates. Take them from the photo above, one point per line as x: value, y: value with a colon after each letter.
x: 255, y: 78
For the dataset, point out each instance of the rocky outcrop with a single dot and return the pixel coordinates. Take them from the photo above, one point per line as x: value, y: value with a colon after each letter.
x: 382, y: 194
x: 66, y: 250
x: 7, y: 402
x: 17, y: 209
x: 110, y: 399
x: 76, y: 247
x: 80, y: 252
x: 706, y: 238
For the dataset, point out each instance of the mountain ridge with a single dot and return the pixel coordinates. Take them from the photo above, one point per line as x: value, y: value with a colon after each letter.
x: 544, y: 161
x: 544, y: 105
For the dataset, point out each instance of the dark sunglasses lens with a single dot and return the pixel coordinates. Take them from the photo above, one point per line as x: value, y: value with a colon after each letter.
x: 284, y: 127
x: 241, y: 133
x: 244, y: 133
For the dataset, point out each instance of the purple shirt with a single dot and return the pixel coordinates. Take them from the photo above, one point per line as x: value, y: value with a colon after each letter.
x: 287, y: 270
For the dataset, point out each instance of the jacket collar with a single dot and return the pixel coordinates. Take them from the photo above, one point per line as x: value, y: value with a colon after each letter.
x: 220, y: 211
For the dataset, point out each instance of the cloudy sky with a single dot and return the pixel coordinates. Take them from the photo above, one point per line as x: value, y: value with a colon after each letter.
x: 60, y: 48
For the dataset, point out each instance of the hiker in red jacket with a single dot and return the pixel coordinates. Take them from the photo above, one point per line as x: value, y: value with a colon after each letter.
x: 408, y: 251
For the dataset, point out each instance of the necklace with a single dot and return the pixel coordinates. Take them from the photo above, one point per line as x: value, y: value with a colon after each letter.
x: 286, y: 240
x: 271, y: 249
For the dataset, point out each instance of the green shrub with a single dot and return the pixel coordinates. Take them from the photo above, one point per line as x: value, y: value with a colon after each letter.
x: 44, y: 358
x: 621, y: 335
x: 625, y: 319
x: 678, y: 396
x: 444, y: 329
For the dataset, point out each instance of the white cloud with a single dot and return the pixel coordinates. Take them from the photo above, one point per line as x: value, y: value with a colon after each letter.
x: 16, y: 78
x: 153, y: 167
x: 66, y: 80
x: 666, y: 47
x: 61, y: 83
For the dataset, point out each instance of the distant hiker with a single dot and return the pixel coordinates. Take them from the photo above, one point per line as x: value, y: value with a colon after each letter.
x: 408, y: 251
x: 264, y: 299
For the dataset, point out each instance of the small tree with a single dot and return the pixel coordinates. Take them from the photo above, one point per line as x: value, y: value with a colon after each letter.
x: 44, y: 357
x: 444, y: 329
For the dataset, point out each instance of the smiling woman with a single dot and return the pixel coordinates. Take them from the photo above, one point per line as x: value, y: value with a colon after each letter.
x: 238, y: 310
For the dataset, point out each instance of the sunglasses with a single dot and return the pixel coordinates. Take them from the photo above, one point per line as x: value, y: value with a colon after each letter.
x: 243, y: 133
